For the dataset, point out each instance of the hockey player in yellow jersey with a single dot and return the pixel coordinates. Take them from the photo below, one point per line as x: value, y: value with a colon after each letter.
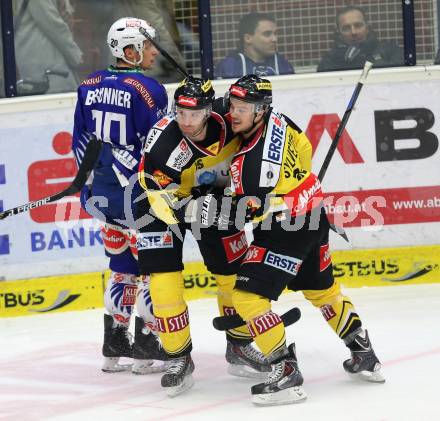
x: 272, y: 177
x: 185, y: 156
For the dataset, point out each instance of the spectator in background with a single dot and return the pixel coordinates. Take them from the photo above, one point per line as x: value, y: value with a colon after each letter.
x: 257, y: 53
x: 356, y: 43
x: 43, y: 41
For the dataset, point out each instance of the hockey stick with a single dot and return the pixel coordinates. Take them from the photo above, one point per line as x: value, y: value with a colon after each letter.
x: 90, y: 156
x: 232, y: 322
x: 367, y: 67
x: 144, y: 32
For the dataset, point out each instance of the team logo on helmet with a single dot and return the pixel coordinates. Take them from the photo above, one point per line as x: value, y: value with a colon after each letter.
x: 236, y: 90
x: 264, y: 86
x: 188, y: 102
x: 206, y: 86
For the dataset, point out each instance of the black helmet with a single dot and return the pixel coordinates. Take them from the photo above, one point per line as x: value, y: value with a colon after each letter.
x: 194, y: 93
x: 252, y: 88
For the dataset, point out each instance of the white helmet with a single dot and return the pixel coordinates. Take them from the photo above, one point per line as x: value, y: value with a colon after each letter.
x: 125, y: 32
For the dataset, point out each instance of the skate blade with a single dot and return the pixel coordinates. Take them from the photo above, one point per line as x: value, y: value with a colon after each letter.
x: 142, y: 367
x: 370, y: 376
x: 283, y: 397
x: 239, y: 370
x: 187, y: 383
x: 111, y: 365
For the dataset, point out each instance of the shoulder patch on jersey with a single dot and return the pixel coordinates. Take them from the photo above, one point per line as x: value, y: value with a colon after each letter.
x: 155, y: 133
x: 273, y: 151
x: 143, y: 91
x: 162, y: 178
x: 92, y: 81
x: 180, y: 156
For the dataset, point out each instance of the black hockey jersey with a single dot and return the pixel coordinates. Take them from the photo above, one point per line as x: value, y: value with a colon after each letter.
x: 273, y: 169
x: 173, y: 164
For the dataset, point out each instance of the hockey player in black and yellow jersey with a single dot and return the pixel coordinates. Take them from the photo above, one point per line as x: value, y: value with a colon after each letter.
x: 272, y: 177
x: 185, y: 156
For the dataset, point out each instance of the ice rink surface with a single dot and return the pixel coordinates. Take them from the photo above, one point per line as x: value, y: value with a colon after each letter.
x: 50, y: 367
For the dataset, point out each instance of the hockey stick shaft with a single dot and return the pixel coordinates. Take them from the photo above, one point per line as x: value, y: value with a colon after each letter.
x: 90, y: 156
x: 367, y: 67
x: 164, y: 52
x: 232, y: 322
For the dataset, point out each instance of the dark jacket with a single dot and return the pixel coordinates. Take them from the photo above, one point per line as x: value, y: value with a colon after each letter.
x: 345, y: 57
x: 236, y: 65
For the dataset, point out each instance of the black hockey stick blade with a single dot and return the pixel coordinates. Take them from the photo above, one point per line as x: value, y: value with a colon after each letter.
x: 90, y: 156
x: 144, y: 32
x: 341, y: 231
x: 232, y: 322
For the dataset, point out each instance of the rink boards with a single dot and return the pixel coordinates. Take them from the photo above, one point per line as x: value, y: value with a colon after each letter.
x: 353, y: 268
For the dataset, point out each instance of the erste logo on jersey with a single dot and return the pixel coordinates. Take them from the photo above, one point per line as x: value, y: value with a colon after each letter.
x: 287, y: 264
x: 154, y: 240
x: 180, y: 156
x: 274, y: 141
x: 236, y: 171
x: 273, y: 151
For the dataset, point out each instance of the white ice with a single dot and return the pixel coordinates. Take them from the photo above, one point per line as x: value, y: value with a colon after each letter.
x: 50, y: 367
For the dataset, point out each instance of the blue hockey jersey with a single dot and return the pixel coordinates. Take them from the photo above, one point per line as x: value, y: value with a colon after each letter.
x: 118, y: 106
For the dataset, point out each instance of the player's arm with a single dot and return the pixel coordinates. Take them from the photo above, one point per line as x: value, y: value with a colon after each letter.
x: 304, y: 149
x: 302, y: 145
x: 160, y: 189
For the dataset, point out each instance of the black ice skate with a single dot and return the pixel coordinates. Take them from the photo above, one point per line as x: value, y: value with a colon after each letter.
x: 148, y: 354
x: 246, y: 361
x: 363, y: 363
x: 178, y: 376
x: 284, y: 385
x: 117, y: 343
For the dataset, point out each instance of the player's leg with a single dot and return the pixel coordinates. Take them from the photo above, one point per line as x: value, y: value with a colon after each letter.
x: 341, y: 315
x: 148, y: 353
x: 318, y: 285
x: 222, y: 253
x: 160, y: 256
x: 119, y: 298
x: 259, y: 281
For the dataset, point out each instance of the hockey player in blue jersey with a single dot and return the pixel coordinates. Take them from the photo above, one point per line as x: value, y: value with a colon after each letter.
x: 119, y: 105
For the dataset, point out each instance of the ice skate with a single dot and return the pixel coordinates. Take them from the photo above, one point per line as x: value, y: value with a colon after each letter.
x: 148, y: 354
x: 117, y: 344
x: 283, y: 386
x: 177, y: 378
x: 363, y: 363
x: 246, y: 361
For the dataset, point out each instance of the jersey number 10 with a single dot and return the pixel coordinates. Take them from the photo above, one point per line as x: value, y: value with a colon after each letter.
x: 104, y: 121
